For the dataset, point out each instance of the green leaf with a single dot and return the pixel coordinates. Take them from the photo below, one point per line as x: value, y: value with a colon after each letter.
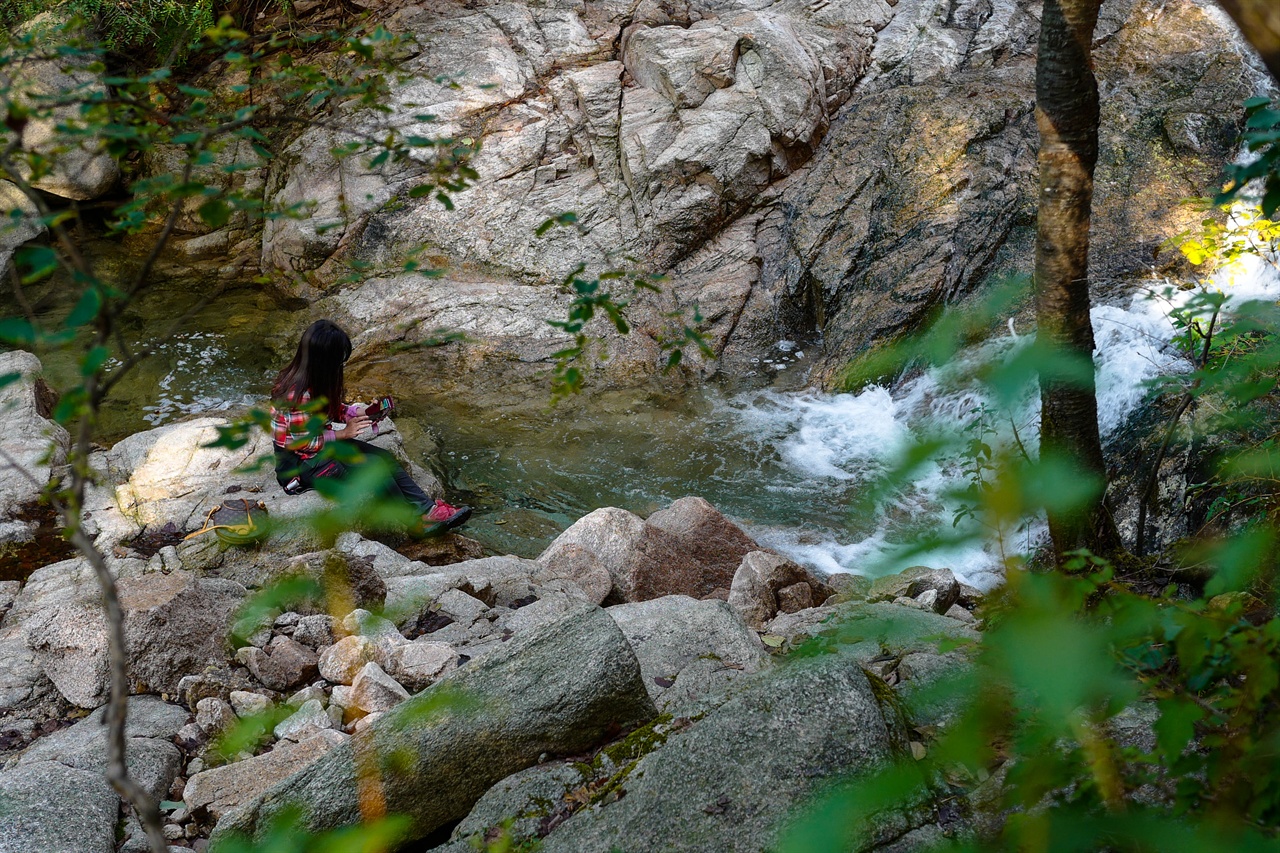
x: 37, y: 261
x: 1176, y: 726
x: 215, y: 212
x: 86, y: 309
x: 93, y: 361
x: 17, y: 331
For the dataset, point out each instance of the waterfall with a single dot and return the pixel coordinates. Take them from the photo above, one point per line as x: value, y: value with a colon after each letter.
x: 844, y: 442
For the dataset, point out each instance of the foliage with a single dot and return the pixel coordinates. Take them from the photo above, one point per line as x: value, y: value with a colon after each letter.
x: 153, y: 27
x: 1262, y: 140
x: 1127, y: 706
x: 212, y: 136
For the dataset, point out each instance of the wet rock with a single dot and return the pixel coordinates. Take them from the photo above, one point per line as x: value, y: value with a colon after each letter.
x: 442, y: 550
x: 559, y: 689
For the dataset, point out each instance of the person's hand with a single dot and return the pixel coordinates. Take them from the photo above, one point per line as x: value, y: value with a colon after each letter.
x: 354, y: 427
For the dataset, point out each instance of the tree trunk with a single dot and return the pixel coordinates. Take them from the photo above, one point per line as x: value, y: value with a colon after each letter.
x: 1067, y: 116
x: 1259, y: 22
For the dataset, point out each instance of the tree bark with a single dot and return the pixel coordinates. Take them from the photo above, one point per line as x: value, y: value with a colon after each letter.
x: 1259, y: 23
x: 1067, y: 115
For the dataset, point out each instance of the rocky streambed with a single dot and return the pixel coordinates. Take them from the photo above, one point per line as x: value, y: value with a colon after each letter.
x: 623, y: 687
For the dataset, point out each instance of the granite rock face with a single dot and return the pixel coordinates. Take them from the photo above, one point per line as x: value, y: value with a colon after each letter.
x: 838, y: 169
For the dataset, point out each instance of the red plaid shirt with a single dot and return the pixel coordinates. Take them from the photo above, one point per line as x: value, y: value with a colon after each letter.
x: 289, y: 430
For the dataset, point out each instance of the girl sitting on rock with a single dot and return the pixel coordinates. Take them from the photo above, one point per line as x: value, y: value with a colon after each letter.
x: 302, y: 456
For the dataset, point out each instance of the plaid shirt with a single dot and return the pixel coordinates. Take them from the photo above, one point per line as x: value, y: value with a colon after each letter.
x: 289, y: 431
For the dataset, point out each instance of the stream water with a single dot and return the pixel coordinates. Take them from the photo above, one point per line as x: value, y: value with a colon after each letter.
x: 789, y: 466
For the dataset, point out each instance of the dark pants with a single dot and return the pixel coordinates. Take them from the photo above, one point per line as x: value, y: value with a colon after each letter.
x: 400, y: 485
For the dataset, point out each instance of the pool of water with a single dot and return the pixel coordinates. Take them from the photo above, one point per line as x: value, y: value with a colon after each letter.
x: 791, y: 467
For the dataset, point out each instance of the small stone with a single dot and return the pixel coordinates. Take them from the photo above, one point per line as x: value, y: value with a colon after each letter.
x: 247, y: 704
x: 928, y: 599
x: 341, y: 697
x: 194, y: 766
x: 340, y: 662
x: 373, y: 690
x: 180, y: 815
x: 416, y: 665
x: 960, y: 614
x: 366, y: 624
x: 364, y: 722
x: 794, y: 598
x: 191, y: 738
x: 260, y: 637
x: 306, y: 694
x: 285, y: 664
x: 460, y: 607
x: 214, y: 716
x: 287, y: 620
x: 173, y: 832
x: 315, y: 631
x: 303, y: 723
x: 903, y: 601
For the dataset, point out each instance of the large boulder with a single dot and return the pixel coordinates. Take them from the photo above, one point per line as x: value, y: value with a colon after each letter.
x: 175, y: 625
x: 50, y: 806
x: 708, y: 537
x: 21, y: 222
x: 670, y: 633
x: 34, y: 445
x: 170, y: 474
x: 556, y: 691
x: 80, y: 168
x: 615, y: 556
x: 150, y: 725
x: 732, y: 780
x: 223, y: 789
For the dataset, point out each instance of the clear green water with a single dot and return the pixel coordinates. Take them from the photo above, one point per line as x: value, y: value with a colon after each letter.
x: 528, y: 474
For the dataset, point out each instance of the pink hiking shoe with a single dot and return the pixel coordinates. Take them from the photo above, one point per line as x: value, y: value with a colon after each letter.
x: 443, y: 517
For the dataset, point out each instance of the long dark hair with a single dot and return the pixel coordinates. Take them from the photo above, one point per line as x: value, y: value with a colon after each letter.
x: 316, y: 369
